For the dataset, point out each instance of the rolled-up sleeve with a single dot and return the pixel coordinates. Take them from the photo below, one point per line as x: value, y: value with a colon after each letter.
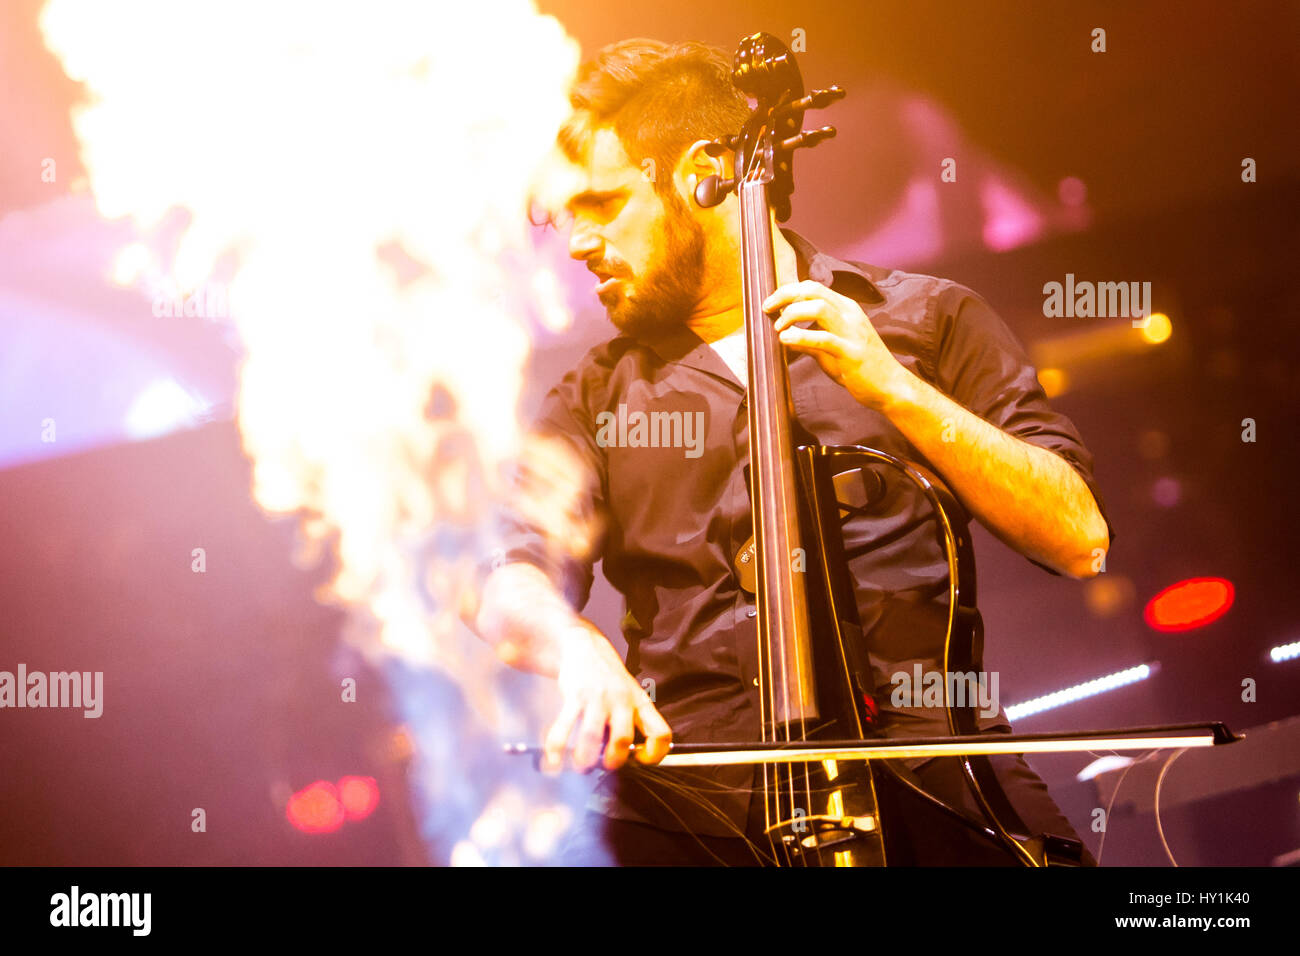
x: 554, y: 514
x: 979, y: 363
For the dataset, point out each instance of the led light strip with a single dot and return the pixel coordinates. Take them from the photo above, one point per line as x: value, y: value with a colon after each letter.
x: 1079, y: 691
x: 1284, y: 652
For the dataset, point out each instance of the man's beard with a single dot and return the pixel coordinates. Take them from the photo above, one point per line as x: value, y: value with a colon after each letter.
x: 671, y: 285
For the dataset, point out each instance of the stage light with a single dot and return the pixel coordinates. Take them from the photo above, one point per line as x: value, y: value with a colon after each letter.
x: 1284, y: 652
x: 1189, y: 604
x: 1079, y: 691
x: 1157, y: 328
x: 359, y: 796
x: 1108, y: 594
x: 316, y: 808
x: 1053, y: 380
x: 1072, y: 191
x: 1167, y: 492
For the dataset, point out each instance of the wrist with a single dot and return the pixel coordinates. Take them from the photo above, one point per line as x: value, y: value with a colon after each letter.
x: 580, y: 639
x: 900, y: 395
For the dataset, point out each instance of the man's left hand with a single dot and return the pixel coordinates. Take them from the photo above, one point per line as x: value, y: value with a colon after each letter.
x: 846, y: 345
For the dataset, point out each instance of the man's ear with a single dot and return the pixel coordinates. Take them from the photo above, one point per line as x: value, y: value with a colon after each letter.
x: 703, y: 158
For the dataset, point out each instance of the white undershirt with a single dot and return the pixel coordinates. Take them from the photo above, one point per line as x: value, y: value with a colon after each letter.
x: 732, y: 349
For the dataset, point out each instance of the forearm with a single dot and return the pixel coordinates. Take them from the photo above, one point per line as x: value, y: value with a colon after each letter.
x: 1031, y: 498
x: 527, y: 620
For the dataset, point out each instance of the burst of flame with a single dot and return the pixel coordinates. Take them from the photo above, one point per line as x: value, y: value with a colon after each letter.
x: 306, y: 138
x: 361, y: 173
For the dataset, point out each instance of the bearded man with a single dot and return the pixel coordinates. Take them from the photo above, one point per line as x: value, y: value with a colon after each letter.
x: 912, y: 365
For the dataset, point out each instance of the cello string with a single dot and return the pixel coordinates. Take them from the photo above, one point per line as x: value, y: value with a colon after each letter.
x: 776, y: 359
x: 767, y: 704
x: 772, y: 789
x: 767, y: 358
x: 795, y: 800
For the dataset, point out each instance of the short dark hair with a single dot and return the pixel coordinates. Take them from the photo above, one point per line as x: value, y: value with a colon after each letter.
x: 658, y: 98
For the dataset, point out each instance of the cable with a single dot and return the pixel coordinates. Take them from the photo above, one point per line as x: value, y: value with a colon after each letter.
x: 1159, y: 782
x: 1115, y: 793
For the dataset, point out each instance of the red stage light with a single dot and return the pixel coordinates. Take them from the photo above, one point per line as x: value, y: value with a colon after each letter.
x: 1189, y: 604
x: 316, y: 808
x: 359, y: 796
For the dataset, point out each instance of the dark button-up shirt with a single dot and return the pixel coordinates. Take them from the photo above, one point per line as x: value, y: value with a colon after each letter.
x: 675, y: 516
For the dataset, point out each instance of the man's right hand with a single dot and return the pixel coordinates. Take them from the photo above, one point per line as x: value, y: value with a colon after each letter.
x: 533, y: 628
x: 599, y: 695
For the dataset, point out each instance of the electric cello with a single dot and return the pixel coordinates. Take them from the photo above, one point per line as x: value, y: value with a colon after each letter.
x: 815, y: 679
x: 832, y: 793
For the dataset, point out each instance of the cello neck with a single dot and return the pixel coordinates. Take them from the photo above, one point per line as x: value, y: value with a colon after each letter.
x: 785, y: 648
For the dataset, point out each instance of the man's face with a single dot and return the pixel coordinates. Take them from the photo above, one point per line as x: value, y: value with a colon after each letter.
x: 647, y: 253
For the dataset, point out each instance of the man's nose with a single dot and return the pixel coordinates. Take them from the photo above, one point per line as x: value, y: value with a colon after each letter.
x: 585, y: 243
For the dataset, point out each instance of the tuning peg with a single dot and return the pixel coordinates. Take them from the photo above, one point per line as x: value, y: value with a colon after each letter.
x: 719, y: 146
x: 809, y: 137
x: 814, y: 100
x: 712, y: 190
x: 827, y: 96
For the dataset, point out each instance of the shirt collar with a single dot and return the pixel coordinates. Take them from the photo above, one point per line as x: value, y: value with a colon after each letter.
x: 824, y: 268
x: 680, y: 344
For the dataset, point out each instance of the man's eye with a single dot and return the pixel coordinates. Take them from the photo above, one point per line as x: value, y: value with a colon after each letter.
x: 599, y: 208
